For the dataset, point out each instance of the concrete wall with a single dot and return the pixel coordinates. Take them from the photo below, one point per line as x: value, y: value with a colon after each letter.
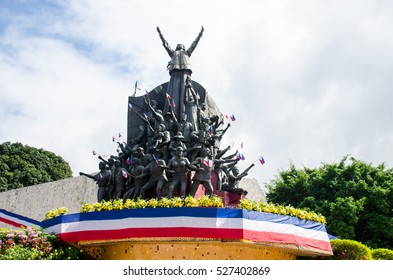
x: 35, y: 201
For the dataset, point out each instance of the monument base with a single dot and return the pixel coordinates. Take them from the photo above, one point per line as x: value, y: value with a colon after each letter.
x: 185, y: 250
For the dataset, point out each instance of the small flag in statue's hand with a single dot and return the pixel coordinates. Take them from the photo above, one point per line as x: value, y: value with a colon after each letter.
x: 125, y: 175
x: 129, y: 160
x: 168, y: 96
x: 233, y: 118
x: 240, y: 156
x: 261, y: 160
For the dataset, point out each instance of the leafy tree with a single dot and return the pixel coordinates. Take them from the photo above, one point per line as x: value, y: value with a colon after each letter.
x: 22, y: 166
x: 355, y: 197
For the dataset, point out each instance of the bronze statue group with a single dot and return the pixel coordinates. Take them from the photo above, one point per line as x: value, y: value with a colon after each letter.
x: 177, y: 149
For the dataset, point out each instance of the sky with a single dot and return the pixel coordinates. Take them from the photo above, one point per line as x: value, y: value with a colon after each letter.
x: 309, y: 82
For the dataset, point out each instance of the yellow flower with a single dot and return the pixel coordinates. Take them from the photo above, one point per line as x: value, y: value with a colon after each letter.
x: 190, y: 201
x: 129, y: 204
x: 152, y: 203
x: 176, y: 202
x: 56, y: 212
x: 141, y: 203
x: 204, y: 201
x: 164, y: 203
x: 117, y: 204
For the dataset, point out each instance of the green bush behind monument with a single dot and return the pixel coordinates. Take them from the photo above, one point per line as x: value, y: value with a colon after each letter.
x: 355, y: 197
x: 22, y: 166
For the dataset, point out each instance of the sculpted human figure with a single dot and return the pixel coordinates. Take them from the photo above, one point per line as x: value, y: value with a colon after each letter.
x: 102, y: 179
x: 124, y: 153
x: 175, y: 143
x: 140, y: 139
x: 138, y: 179
x: 191, y: 105
x: 158, y: 117
x: 186, y: 128
x: 170, y: 124
x: 119, y: 181
x: 180, y: 166
x: 234, y: 178
x: 202, y: 119
x: 111, y: 167
x: 199, y: 140
x: 144, y: 159
x: 179, y: 69
x: 161, y: 141
x: 157, y: 171
x: 218, y: 167
x: 203, y: 175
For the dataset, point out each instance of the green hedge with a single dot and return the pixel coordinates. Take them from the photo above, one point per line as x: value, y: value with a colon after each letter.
x: 382, y: 254
x: 344, y: 249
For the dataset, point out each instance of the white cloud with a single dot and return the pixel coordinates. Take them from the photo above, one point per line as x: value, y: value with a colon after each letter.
x: 307, y: 81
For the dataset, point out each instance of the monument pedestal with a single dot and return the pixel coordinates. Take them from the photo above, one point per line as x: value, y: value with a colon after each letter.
x: 190, y: 233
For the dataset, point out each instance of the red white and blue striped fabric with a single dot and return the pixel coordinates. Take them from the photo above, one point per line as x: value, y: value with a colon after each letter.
x: 17, y: 220
x: 216, y: 223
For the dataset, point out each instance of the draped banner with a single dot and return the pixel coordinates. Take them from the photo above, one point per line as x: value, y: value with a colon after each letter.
x: 17, y: 220
x: 211, y: 223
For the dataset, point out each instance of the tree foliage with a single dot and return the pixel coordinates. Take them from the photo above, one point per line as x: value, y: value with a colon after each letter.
x: 22, y: 166
x: 355, y: 197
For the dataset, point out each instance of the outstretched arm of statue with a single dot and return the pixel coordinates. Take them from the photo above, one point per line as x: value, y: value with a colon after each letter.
x: 165, y: 43
x: 195, y: 43
x: 223, y: 132
x: 87, y: 175
x: 245, y: 172
x: 156, y: 115
x: 123, y: 147
x: 222, y: 152
x: 226, y: 160
x: 232, y: 155
x: 105, y: 161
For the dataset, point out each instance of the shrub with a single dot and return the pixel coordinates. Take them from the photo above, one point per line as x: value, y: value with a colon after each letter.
x: 20, y: 253
x: 382, y: 254
x: 33, y: 244
x: 344, y: 249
